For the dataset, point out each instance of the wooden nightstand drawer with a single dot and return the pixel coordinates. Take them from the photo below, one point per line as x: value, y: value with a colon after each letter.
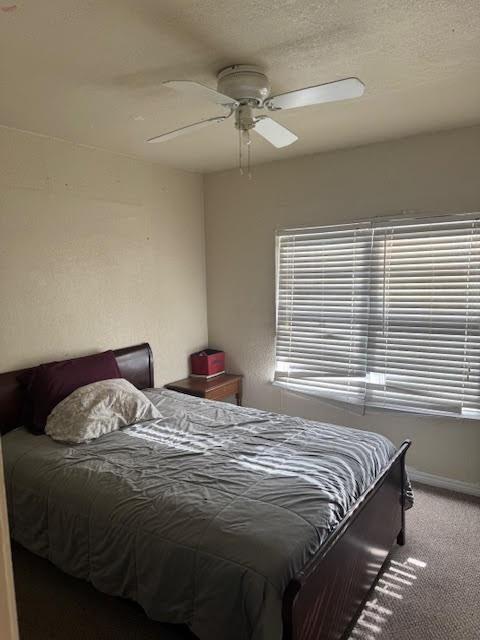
x: 217, y: 388
x: 229, y: 389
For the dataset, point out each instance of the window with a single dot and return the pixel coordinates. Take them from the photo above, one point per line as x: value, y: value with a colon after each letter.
x: 382, y: 313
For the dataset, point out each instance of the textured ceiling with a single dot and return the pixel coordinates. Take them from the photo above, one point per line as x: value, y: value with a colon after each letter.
x: 90, y: 71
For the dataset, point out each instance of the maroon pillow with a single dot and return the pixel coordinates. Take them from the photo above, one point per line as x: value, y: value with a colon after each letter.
x: 49, y: 384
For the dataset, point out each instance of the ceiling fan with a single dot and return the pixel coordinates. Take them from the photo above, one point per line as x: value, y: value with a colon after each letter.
x: 242, y: 89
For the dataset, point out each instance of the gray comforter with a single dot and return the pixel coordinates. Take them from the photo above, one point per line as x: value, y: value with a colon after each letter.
x: 202, y: 516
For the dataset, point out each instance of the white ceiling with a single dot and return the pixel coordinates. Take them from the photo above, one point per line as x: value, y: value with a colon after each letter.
x: 90, y: 71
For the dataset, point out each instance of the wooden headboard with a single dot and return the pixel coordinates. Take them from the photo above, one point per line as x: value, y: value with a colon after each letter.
x: 135, y: 364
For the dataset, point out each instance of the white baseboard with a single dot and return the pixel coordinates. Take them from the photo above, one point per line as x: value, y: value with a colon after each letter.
x: 444, y: 483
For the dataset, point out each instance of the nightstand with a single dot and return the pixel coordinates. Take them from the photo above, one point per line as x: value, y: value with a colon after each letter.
x: 217, y: 388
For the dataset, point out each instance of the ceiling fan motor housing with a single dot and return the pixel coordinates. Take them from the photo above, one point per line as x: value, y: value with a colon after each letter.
x: 245, y: 83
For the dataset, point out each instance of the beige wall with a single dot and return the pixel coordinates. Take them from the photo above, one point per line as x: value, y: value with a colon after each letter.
x: 97, y: 250
x: 430, y: 173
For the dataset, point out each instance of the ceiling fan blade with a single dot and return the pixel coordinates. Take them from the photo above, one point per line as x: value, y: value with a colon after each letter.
x: 187, y: 129
x: 330, y: 92
x: 275, y: 133
x: 198, y: 90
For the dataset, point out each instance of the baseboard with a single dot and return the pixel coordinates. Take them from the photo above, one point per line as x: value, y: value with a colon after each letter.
x: 444, y: 483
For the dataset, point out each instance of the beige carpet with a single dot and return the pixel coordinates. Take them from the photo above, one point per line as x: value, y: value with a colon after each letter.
x: 430, y: 591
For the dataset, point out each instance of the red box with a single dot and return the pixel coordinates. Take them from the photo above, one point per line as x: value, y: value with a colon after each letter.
x: 207, y: 363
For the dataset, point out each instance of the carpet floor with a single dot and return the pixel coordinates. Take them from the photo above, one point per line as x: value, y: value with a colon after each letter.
x: 430, y: 589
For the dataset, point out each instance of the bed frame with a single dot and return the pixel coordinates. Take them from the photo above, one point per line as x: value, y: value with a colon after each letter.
x: 323, y: 601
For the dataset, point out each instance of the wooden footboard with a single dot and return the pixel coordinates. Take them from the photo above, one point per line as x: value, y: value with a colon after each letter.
x: 323, y: 601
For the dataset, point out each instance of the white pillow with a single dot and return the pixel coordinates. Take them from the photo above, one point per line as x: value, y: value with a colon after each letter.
x: 98, y: 408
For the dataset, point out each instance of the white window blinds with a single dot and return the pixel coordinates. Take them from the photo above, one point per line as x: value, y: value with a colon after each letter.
x: 382, y: 314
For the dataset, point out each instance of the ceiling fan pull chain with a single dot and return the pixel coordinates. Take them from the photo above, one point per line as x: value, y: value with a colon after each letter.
x: 249, y: 155
x: 240, y: 154
x: 244, y: 142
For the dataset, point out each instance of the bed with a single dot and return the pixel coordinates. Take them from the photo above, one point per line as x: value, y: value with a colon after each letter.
x: 240, y: 523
